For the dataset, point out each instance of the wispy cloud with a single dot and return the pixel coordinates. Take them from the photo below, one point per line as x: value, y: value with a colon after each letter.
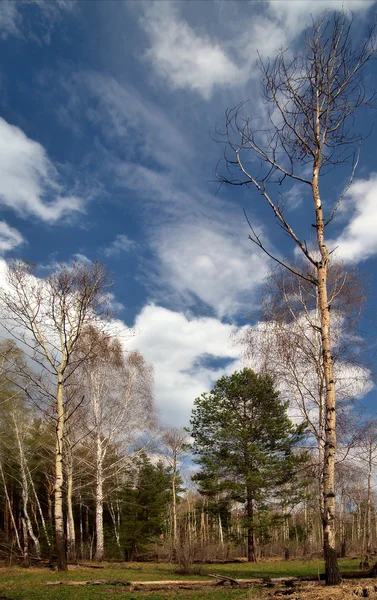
x: 32, y: 19
x: 187, y: 57
x: 10, y: 238
x: 125, y: 118
x: 212, y: 262
x: 200, y: 243
x: 122, y: 243
x: 10, y: 19
x: 183, y: 57
x: 29, y: 181
x: 358, y: 240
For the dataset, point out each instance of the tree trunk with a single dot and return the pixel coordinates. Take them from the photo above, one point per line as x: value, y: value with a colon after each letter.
x: 49, y: 493
x: 174, y: 508
x: 115, y: 521
x: 368, y: 523
x: 26, y: 560
x: 58, y: 507
x: 99, y: 504
x: 251, y: 555
x: 71, y: 535
x: 9, y: 504
x: 81, y: 532
x: 221, y: 534
x: 343, y: 547
x: 328, y: 516
x: 39, y: 509
x: 25, y: 491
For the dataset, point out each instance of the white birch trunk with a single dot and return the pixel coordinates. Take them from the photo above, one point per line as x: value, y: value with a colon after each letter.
x: 39, y: 509
x: 58, y: 507
x: 95, y: 399
x: 25, y: 490
x: 10, y: 509
x: 99, y: 504
x: 328, y: 516
x: 71, y: 534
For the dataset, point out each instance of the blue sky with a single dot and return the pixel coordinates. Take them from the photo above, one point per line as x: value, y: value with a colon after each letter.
x: 107, y: 113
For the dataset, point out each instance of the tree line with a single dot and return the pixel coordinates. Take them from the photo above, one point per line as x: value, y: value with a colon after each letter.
x: 251, y: 484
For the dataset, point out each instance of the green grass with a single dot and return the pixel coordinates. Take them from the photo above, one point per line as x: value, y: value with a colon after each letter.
x: 30, y: 584
x: 279, y: 568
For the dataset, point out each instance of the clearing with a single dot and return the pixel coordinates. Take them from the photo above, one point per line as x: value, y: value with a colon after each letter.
x: 133, y: 581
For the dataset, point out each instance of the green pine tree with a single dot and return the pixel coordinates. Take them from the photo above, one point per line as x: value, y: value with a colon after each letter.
x: 245, y: 445
x: 145, y: 506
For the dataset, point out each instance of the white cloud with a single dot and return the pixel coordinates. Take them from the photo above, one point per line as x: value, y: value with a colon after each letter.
x: 201, y: 244
x: 358, y: 241
x: 123, y: 115
x: 213, y: 262
x: 53, y: 264
x: 293, y: 12
x: 10, y: 238
x: 176, y: 345
x: 122, y: 243
x: 183, y: 57
x: 179, y: 347
x: 294, y: 196
x: 82, y: 259
x: 29, y: 182
x: 188, y: 58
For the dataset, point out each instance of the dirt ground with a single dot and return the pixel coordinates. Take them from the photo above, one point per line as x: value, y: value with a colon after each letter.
x: 348, y: 590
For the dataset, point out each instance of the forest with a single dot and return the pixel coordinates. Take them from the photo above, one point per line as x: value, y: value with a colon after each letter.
x: 278, y: 458
x: 244, y: 480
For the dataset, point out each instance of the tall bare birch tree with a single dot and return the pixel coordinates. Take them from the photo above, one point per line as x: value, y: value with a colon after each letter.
x: 367, y: 454
x: 119, y: 388
x: 176, y: 442
x: 313, y: 99
x: 46, y: 317
x: 286, y: 342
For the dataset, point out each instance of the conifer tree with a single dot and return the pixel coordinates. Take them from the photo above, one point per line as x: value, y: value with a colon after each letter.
x: 245, y: 445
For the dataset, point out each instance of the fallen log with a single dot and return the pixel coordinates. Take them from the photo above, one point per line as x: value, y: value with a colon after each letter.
x: 222, y: 579
x: 159, y: 584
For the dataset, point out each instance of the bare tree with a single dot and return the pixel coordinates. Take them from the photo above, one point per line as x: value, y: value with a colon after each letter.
x: 367, y: 454
x: 313, y: 99
x: 46, y: 317
x: 286, y: 342
x: 176, y: 442
x: 119, y: 389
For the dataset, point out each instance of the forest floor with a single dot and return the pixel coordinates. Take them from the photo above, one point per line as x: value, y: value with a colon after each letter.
x: 134, y: 581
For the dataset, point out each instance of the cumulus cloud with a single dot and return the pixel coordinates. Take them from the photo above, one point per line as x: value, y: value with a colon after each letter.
x: 10, y: 238
x: 176, y: 344
x: 189, y: 58
x: 182, y: 56
x: 122, y: 243
x: 181, y: 348
x: 358, y: 240
x: 211, y: 262
x: 29, y: 182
